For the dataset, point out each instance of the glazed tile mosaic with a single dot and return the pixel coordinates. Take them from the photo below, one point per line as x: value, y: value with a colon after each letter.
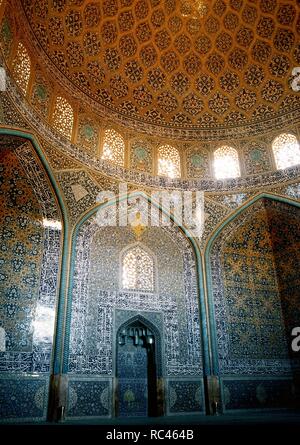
x: 252, y: 307
x: 30, y: 255
x: 96, y: 321
x: 185, y: 396
x: 132, y: 380
x: 91, y: 398
x: 258, y: 393
x: 58, y: 144
x: 176, y: 300
x: 156, y: 68
x: 23, y: 398
x: 96, y: 357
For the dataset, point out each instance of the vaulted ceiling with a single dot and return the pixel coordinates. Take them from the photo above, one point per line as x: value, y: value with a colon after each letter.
x: 196, y: 63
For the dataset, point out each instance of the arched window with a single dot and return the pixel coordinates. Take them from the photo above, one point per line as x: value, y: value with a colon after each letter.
x: 226, y: 163
x: 137, y: 269
x: 286, y: 151
x: 21, y: 68
x: 113, y: 147
x: 168, y: 161
x: 2, y: 340
x: 63, y: 117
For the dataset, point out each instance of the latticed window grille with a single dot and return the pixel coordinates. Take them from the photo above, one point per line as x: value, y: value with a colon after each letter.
x: 168, y: 161
x: 63, y: 117
x: 286, y: 151
x: 226, y: 163
x: 138, y: 270
x: 113, y: 147
x: 21, y: 68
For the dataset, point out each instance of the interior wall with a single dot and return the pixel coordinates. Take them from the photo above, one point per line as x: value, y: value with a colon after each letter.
x: 251, y: 294
x: 254, y: 262
x: 30, y: 246
x: 100, y: 307
x: 284, y: 227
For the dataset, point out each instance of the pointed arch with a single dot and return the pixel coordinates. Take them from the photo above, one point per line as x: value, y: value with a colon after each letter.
x: 199, y: 272
x: 60, y: 315
x: 142, y: 366
x: 150, y: 325
x: 139, y: 318
x: 207, y: 253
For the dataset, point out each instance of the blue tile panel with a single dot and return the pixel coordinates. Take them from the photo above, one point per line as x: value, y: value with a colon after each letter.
x: 258, y: 393
x: 185, y: 396
x: 89, y: 398
x: 23, y: 398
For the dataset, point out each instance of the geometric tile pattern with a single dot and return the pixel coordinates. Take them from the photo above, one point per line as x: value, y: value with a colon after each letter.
x: 96, y: 296
x: 141, y: 156
x: 78, y: 180
x: 251, y: 320
x: 171, y: 61
x: 258, y: 393
x: 265, y: 178
x: 89, y: 398
x: 256, y: 156
x: 23, y: 398
x: 30, y: 240
x: 132, y: 362
x: 30, y: 245
x: 285, y: 229
x: 185, y: 396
